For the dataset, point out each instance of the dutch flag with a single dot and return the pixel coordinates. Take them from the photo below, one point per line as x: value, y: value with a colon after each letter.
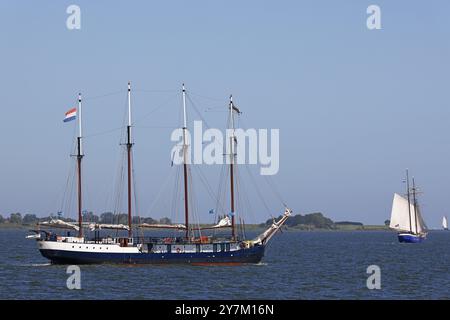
x: 70, y: 115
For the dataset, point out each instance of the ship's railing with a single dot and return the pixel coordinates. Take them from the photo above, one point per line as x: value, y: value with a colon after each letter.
x: 181, y: 240
x: 125, y: 241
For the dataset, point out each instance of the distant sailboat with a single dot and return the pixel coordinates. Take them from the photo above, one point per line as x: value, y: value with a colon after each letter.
x: 444, y: 223
x: 406, y: 217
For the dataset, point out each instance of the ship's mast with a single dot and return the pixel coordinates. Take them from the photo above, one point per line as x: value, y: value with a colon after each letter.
x: 185, y: 168
x: 79, y: 158
x: 232, y: 168
x: 409, y: 199
x: 129, y: 146
x: 415, y: 202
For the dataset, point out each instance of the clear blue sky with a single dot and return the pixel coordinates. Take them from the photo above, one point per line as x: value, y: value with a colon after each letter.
x: 354, y: 107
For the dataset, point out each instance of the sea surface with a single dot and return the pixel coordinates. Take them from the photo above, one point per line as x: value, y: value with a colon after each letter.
x: 297, y: 265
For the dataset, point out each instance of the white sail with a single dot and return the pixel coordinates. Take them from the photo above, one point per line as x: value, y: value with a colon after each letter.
x: 400, y: 215
x: 58, y: 223
x: 421, y: 226
x: 99, y: 226
x: 404, y: 218
x: 444, y: 222
x: 223, y: 223
x: 162, y: 226
x: 264, y: 237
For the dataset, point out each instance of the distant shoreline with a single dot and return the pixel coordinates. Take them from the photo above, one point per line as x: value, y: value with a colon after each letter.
x: 257, y: 228
x: 299, y: 222
x: 253, y: 227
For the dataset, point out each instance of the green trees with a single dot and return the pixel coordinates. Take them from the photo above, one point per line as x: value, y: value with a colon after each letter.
x: 105, y: 217
x: 15, y: 218
x: 30, y: 219
x: 165, y: 220
x: 90, y: 217
x: 308, y: 221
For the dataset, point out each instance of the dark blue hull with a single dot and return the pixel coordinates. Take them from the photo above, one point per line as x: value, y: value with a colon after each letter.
x: 410, y: 238
x: 248, y: 255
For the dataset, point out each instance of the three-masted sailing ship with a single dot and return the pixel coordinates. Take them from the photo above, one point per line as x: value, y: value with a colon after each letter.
x: 406, y: 217
x: 134, y: 249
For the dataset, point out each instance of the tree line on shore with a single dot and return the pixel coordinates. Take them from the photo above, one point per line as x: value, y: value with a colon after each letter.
x: 314, y: 220
x: 106, y: 217
x: 306, y: 222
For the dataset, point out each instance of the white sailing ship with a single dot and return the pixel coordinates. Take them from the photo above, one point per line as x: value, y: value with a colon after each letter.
x: 406, y: 217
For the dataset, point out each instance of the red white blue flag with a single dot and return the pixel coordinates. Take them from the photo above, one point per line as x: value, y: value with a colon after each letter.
x: 70, y: 115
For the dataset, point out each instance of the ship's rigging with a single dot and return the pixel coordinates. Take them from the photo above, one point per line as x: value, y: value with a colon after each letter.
x: 237, y: 194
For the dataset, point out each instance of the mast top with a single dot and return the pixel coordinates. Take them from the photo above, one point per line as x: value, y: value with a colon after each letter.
x: 129, y: 109
x: 80, y: 133
x: 184, y: 111
x: 233, y: 107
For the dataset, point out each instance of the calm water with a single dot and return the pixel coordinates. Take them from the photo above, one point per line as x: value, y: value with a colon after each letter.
x: 297, y: 265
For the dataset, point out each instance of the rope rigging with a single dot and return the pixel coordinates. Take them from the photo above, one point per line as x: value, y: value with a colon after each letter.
x: 219, y: 199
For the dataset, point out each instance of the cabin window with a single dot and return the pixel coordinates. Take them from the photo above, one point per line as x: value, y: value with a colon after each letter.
x: 197, y: 248
x: 227, y: 247
x: 215, y: 247
x: 222, y: 247
x: 169, y: 248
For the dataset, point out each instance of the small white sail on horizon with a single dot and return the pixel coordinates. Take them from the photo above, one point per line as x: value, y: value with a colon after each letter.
x: 404, y: 218
x: 444, y: 223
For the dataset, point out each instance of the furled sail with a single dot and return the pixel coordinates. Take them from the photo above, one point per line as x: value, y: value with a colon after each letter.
x: 99, y: 226
x: 223, y: 223
x: 162, y: 226
x: 264, y: 237
x: 58, y: 223
x: 444, y: 222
